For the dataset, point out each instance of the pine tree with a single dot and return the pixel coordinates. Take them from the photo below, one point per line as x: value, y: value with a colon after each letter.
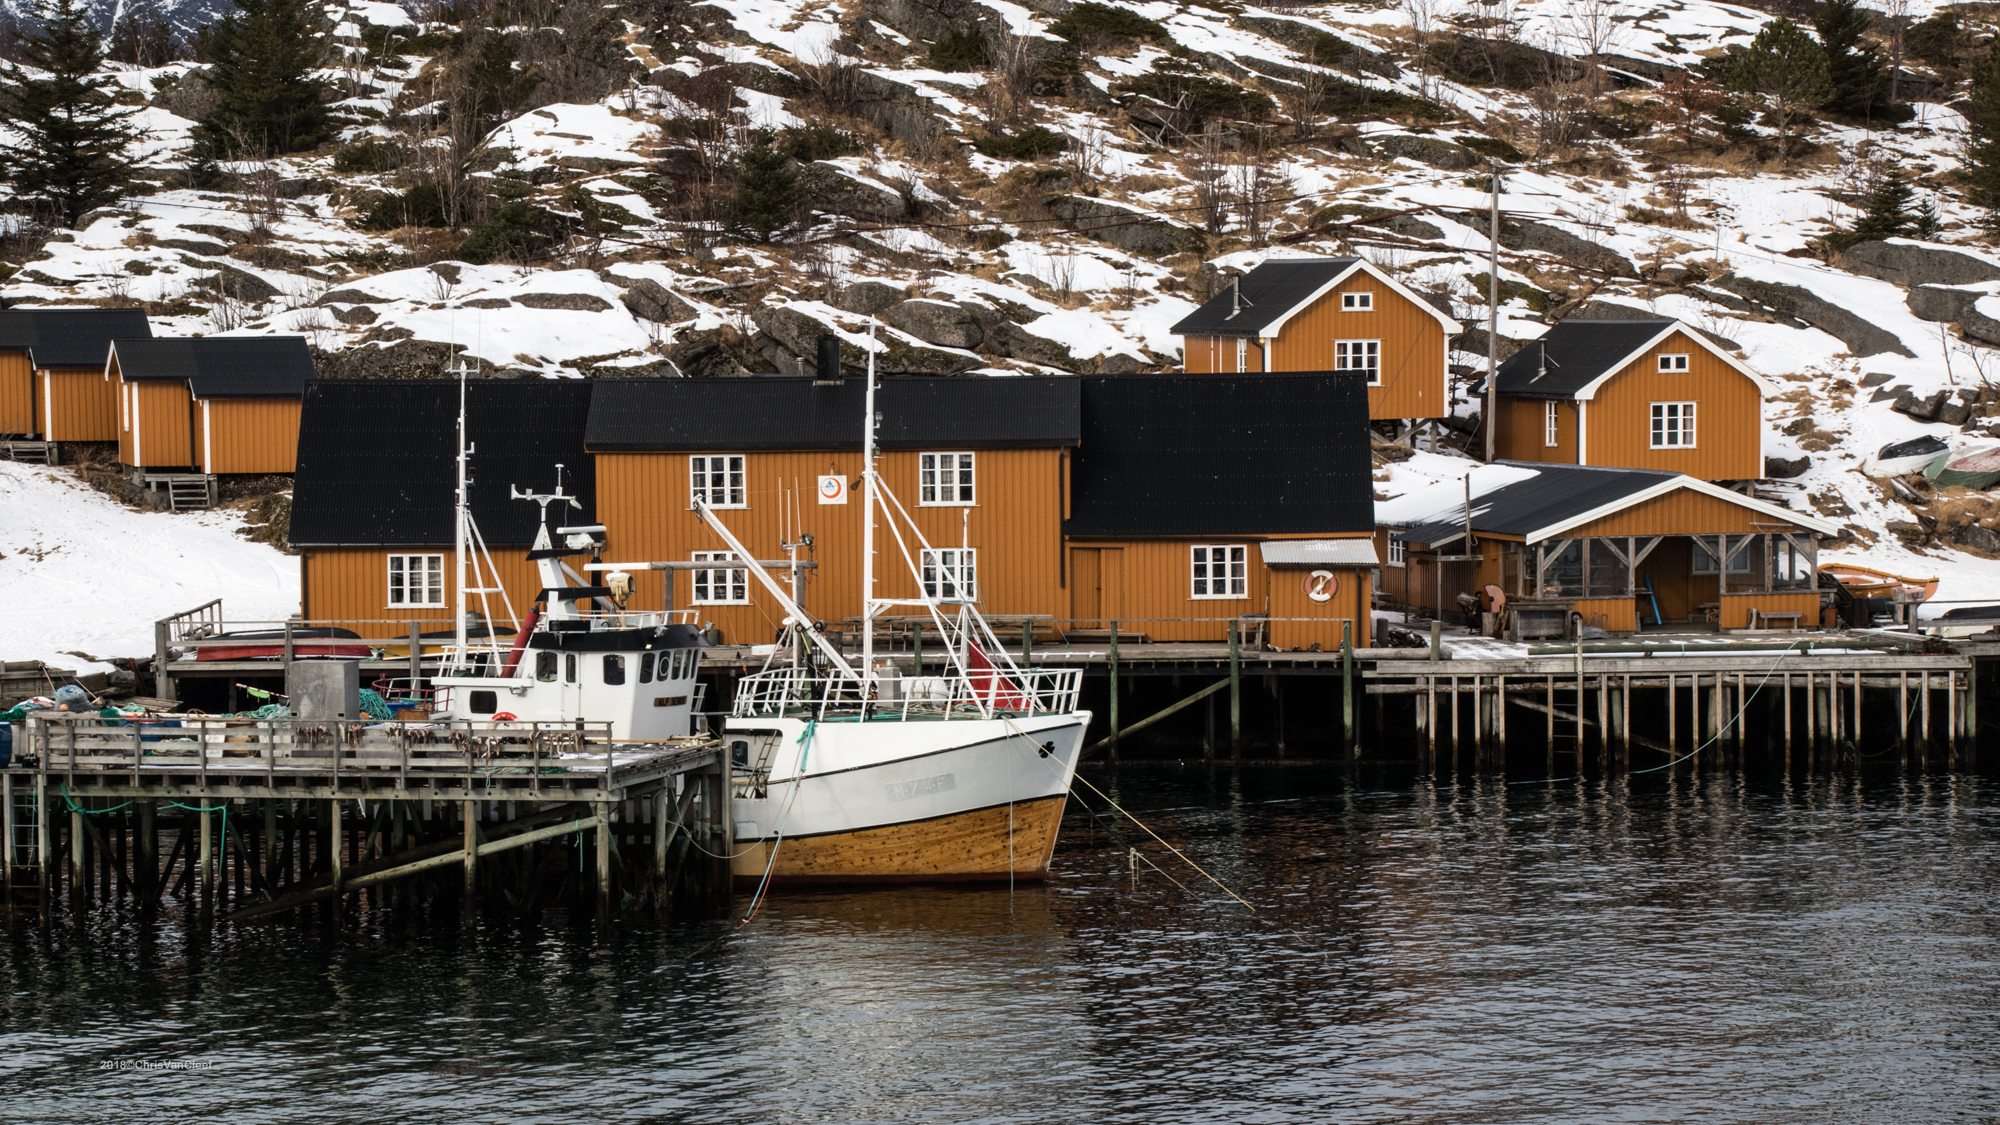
x: 1891, y: 210
x: 1928, y: 222
x: 268, y: 98
x: 768, y: 195
x: 1787, y: 68
x: 73, y: 138
x: 1853, y: 66
x: 1979, y: 170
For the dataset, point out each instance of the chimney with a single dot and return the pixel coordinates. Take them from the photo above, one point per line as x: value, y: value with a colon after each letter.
x: 828, y: 372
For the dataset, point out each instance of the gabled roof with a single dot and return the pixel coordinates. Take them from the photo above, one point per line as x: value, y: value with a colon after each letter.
x: 1235, y: 455
x: 1260, y: 302
x: 69, y: 337
x: 376, y: 459
x: 1535, y: 501
x: 768, y: 412
x: 220, y: 366
x: 1575, y: 357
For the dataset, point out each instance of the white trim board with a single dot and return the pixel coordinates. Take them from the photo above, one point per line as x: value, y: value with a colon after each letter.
x: 1589, y: 390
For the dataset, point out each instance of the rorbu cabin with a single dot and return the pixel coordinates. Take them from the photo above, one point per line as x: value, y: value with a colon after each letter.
x: 52, y: 386
x: 1198, y: 500
x: 209, y: 406
x: 977, y: 465
x: 372, y: 499
x: 1632, y: 394
x: 1623, y: 550
x: 1329, y: 314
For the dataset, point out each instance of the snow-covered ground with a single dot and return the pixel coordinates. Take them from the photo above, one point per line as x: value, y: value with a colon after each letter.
x: 88, y: 574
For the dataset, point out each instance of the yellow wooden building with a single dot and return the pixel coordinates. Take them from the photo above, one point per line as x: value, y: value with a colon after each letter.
x: 213, y: 405
x: 52, y: 385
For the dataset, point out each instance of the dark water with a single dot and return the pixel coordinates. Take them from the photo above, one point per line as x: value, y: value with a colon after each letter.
x: 1713, y: 949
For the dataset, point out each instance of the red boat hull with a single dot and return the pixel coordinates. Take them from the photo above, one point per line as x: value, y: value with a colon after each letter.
x: 267, y: 651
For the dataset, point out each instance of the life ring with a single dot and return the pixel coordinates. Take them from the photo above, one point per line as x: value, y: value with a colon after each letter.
x: 1321, y: 585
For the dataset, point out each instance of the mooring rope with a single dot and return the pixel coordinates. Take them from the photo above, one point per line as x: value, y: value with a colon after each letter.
x: 778, y: 836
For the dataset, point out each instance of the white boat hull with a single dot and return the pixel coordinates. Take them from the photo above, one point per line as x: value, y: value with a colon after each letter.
x: 893, y: 800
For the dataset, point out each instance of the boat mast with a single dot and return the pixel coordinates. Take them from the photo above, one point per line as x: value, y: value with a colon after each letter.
x: 460, y: 510
x: 868, y: 521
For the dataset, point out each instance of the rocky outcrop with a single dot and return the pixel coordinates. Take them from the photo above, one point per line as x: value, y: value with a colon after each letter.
x: 1911, y: 263
x: 1015, y: 342
x: 798, y: 332
x: 1519, y: 234
x: 1780, y: 468
x: 1124, y: 227
x: 834, y: 192
x: 567, y: 302
x: 1940, y: 305
x: 937, y: 322
x: 1429, y: 150
x: 1791, y: 301
x: 649, y: 300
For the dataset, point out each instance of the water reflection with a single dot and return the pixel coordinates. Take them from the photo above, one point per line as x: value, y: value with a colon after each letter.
x: 1671, y: 947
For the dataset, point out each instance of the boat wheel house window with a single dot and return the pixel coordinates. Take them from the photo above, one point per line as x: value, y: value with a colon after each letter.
x: 951, y: 574
x: 545, y: 666
x: 614, y: 669
x: 944, y: 479
x: 1673, y: 425
x: 1219, y: 571
x: 720, y: 585
x: 1364, y: 356
x: 1674, y: 362
x: 716, y: 479
x: 416, y: 579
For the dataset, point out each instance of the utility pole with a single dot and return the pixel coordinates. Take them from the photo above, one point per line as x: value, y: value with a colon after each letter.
x: 1493, y: 310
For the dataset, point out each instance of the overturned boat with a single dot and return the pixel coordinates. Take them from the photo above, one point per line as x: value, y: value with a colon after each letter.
x: 1901, y: 458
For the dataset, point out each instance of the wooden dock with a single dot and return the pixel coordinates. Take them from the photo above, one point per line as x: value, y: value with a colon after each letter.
x: 262, y: 816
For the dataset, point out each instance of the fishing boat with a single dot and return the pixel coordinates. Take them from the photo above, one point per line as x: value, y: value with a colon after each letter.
x: 1900, y: 458
x: 1973, y: 467
x: 269, y: 644
x: 1868, y: 582
x: 855, y: 774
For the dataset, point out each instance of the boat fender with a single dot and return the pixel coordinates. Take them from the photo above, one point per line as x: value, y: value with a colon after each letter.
x: 1046, y: 749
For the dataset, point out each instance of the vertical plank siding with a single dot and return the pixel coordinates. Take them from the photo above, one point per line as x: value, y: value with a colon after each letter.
x: 162, y: 434
x: 1413, y: 347
x: 17, y: 395
x: 349, y: 588
x: 81, y: 405
x: 1144, y: 583
x: 1728, y: 416
x: 1523, y: 432
x: 252, y: 435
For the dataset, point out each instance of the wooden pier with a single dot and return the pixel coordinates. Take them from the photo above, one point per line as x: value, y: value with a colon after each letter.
x: 232, y: 819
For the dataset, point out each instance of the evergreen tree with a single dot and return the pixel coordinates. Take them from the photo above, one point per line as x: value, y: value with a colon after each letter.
x: 1786, y: 68
x: 1891, y: 210
x: 1853, y: 65
x: 1979, y: 170
x: 73, y: 138
x: 1928, y: 222
x: 268, y: 99
x: 768, y: 194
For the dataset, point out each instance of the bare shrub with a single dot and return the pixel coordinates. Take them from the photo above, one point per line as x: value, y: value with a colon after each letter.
x: 1017, y: 70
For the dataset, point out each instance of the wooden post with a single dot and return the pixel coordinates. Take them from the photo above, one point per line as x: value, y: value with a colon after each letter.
x: 416, y: 659
x: 1027, y: 643
x: 1625, y: 723
x: 1347, y: 689
x: 1437, y: 638
x: 288, y: 659
x: 604, y: 862
x: 76, y: 879
x: 1431, y: 718
x: 1111, y: 661
x: 1812, y: 712
x: 663, y: 804
x: 1950, y: 714
x: 1673, y: 713
x: 336, y: 849
x: 725, y: 832
x: 470, y: 814
x: 1604, y: 722
x: 207, y: 861
x: 1454, y: 720
x: 163, y: 684
x: 916, y: 650
x: 1788, y: 722
x: 7, y: 841
x: 1235, y: 688
x: 1924, y: 687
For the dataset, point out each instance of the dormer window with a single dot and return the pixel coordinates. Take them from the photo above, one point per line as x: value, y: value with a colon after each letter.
x: 1674, y: 362
x: 1357, y: 302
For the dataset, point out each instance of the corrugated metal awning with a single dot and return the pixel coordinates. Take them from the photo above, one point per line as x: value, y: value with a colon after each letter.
x: 1318, y: 552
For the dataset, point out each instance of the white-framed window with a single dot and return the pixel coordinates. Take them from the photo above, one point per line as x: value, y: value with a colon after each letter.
x: 416, y: 580
x: 1357, y: 302
x: 1707, y: 550
x: 1219, y: 571
x: 717, y: 478
x: 720, y: 585
x: 944, y: 479
x: 1673, y: 425
x: 1398, y: 549
x: 1242, y: 354
x: 951, y: 574
x: 1551, y: 424
x: 1359, y: 355
x: 1674, y: 362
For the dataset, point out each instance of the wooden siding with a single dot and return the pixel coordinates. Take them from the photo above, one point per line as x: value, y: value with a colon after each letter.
x: 1352, y: 600
x: 1736, y: 608
x: 1681, y: 512
x: 160, y: 433
x: 17, y: 395
x: 1523, y: 433
x: 251, y: 435
x: 1729, y: 419
x: 1147, y: 586
x: 1209, y: 355
x: 349, y: 588
x: 80, y: 404
x: 642, y: 499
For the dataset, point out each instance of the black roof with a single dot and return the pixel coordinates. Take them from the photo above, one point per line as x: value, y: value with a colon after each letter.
x: 376, y: 459
x: 222, y: 367
x: 69, y: 337
x: 1262, y: 296
x: 1253, y: 454
x: 1577, y: 351
x: 1554, y: 494
x: 789, y: 412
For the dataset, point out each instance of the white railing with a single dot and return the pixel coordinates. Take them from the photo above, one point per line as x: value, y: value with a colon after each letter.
x: 980, y: 695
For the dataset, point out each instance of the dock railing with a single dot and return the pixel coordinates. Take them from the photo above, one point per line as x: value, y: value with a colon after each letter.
x: 1036, y: 691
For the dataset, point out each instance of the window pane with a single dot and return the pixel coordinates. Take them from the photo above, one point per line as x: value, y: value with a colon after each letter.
x: 1607, y: 573
x: 614, y: 669
x: 1563, y: 577
x: 545, y: 667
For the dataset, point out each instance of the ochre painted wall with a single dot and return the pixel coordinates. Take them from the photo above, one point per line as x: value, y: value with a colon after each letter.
x: 81, y: 404
x: 1147, y: 586
x: 160, y: 433
x: 1207, y: 355
x: 1681, y: 512
x: 1015, y: 526
x: 251, y: 435
x: 349, y: 588
x: 1523, y: 434
x: 1736, y: 608
x: 1728, y: 416
x: 17, y: 395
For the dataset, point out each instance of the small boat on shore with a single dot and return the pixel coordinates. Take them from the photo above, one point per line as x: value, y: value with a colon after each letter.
x: 1900, y: 458
x: 1972, y: 467
x: 1868, y: 582
x: 269, y: 644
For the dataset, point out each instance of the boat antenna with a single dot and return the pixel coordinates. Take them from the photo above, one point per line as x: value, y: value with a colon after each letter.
x: 868, y: 519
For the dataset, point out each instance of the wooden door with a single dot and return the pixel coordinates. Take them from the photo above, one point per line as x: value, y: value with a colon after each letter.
x: 1096, y: 586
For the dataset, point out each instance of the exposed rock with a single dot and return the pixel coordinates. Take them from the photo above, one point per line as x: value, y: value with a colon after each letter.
x: 415, y: 359
x: 649, y: 300
x: 1954, y: 414
x: 360, y: 314
x: 937, y: 322
x: 1124, y: 227
x: 1909, y: 263
x: 835, y: 192
x: 1922, y: 409
x: 1780, y: 468
x: 1015, y: 342
x: 240, y: 285
x: 1520, y: 234
x: 866, y: 298
x: 1121, y: 363
x: 1861, y: 337
x: 1472, y: 341
x: 1978, y: 326
x: 450, y: 271
x: 352, y: 297
x: 1973, y: 537
x: 1941, y: 305
x: 798, y: 332
x: 1304, y: 37
x: 196, y: 246
x: 1876, y: 378
x: 1409, y: 226
x: 1798, y: 426
x: 570, y: 302
x: 1890, y: 394
x: 1428, y: 150
x: 487, y: 303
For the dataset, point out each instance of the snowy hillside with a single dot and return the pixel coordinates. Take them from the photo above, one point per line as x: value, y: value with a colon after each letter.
x: 998, y: 188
